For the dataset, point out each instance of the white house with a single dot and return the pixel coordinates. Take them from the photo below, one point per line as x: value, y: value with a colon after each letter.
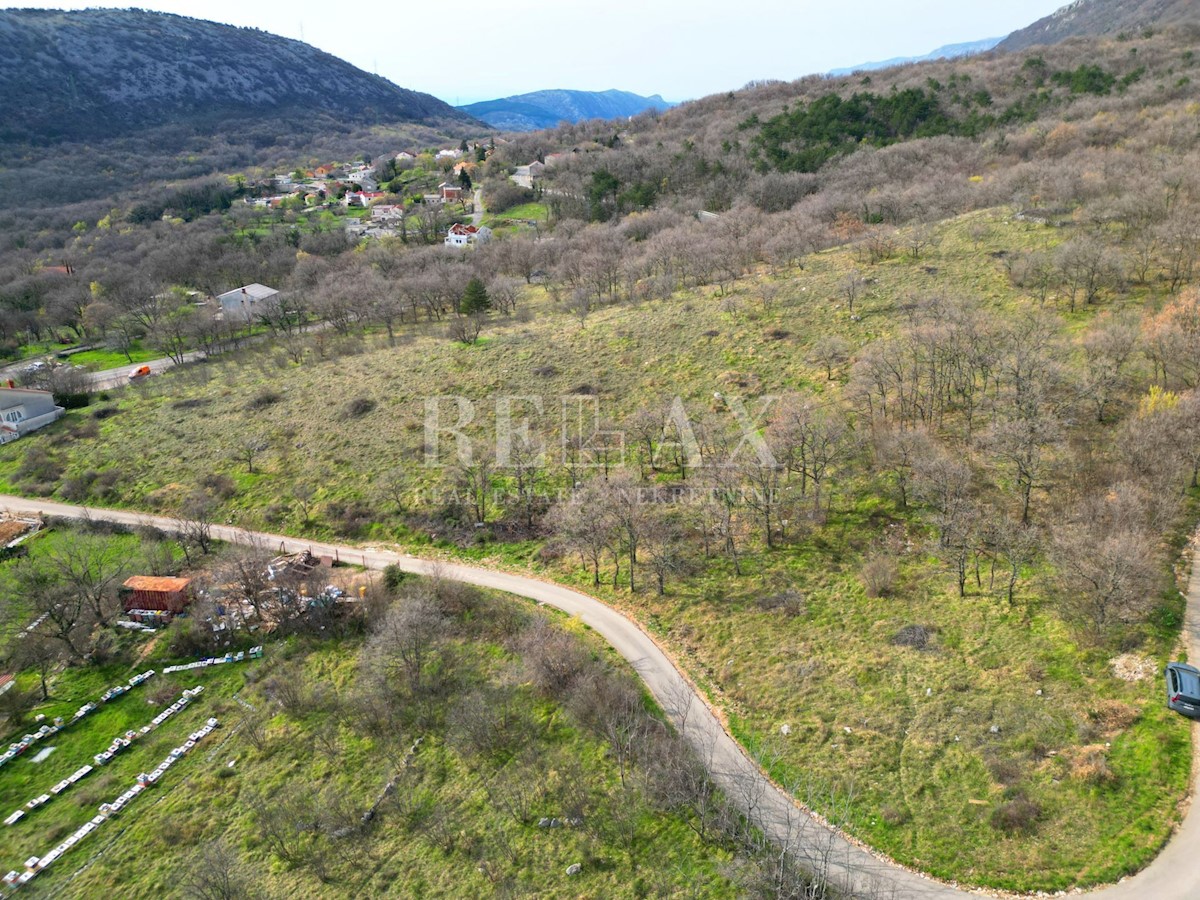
x: 387, y: 212
x: 243, y: 303
x: 461, y: 235
x: 23, y: 410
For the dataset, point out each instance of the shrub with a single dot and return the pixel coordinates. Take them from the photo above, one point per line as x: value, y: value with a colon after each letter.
x: 359, y: 407
x: 393, y: 577
x: 915, y: 636
x: 349, y: 517
x: 1005, y: 770
x: 222, y: 487
x: 879, y: 574
x: 894, y: 815
x: 1091, y: 766
x: 1018, y: 815
x: 39, y: 471
x: 789, y: 601
x: 264, y: 399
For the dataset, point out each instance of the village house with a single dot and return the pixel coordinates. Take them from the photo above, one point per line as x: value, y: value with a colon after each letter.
x: 462, y: 235
x: 361, y: 199
x: 405, y: 155
x: 448, y: 154
x: 387, y: 212
x: 23, y: 410
x: 449, y: 192
x: 244, y: 303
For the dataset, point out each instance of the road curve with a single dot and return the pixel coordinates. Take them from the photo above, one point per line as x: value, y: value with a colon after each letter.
x: 1174, y: 874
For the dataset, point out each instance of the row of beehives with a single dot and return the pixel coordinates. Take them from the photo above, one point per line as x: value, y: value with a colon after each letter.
x: 16, y: 749
x: 240, y: 656
x: 35, y: 864
x: 103, y: 757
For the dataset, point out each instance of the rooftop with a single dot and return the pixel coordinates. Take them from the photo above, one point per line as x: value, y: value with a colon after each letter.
x: 157, y: 583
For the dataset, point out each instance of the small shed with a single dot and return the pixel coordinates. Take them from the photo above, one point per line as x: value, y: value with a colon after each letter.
x: 153, y: 592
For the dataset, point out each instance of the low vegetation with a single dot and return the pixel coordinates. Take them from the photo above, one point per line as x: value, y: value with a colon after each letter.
x: 887, y: 605
x: 434, y: 738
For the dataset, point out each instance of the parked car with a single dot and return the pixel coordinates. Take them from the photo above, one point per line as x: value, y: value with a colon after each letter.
x: 1183, y: 689
x: 139, y: 373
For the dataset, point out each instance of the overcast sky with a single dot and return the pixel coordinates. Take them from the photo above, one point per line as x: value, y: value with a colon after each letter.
x: 681, y: 49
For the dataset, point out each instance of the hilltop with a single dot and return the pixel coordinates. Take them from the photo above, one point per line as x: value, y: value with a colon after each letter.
x: 106, y: 72
x: 949, y: 51
x: 546, y: 109
x: 1098, y: 18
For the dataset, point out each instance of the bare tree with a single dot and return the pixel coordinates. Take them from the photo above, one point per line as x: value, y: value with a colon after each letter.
x: 407, y: 641
x: 582, y: 525
x: 216, y: 872
x: 830, y: 351
x: 851, y: 289
x: 194, y: 521
x: 39, y: 652
x: 1108, y: 350
x: 623, y: 504
x: 92, y: 566
x: 1110, y: 572
x: 61, y: 612
x: 249, y: 448
x: 1087, y: 266
x: 476, y: 479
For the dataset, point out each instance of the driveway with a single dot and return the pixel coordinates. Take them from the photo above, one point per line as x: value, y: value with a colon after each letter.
x: 1174, y: 875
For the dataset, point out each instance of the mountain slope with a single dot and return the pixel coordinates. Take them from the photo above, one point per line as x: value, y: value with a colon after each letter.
x: 545, y: 109
x: 96, y: 73
x: 1096, y: 18
x: 949, y: 51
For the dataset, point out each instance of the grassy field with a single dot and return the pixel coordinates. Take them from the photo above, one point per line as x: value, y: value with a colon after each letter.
x: 16, y: 610
x: 537, y: 212
x: 91, y: 359
x: 445, y: 832
x: 923, y: 748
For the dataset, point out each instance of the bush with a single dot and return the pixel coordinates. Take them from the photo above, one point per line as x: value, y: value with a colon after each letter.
x: 393, y: 577
x: 894, y: 815
x: 73, y: 400
x: 915, y: 636
x: 879, y: 574
x: 350, y: 517
x: 1091, y: 766
x: 222, y: 487
x: 1016, y: 816
x: 790, y: 601
x: 359, y: 407
x: 264, y: 399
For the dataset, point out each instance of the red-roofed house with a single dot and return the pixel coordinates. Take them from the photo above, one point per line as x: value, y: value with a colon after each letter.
x: 152, y: 592
x: 461, y: 235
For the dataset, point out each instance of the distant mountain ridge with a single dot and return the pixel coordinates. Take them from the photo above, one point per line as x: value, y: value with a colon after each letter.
x: 1098, y: 18
x: 949, y: 51
x: 545, y: 109
x: 102, y: 72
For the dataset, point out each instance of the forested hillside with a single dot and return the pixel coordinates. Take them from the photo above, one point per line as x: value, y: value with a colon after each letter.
x: 101, y: 73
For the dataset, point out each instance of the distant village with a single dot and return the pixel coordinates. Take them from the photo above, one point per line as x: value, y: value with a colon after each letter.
x: 357, y: 185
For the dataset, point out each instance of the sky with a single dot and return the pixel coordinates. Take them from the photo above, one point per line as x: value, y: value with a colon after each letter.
x: 681, y: 49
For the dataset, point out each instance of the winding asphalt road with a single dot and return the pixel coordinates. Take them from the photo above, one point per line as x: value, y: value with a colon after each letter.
x: 1174, y: 874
